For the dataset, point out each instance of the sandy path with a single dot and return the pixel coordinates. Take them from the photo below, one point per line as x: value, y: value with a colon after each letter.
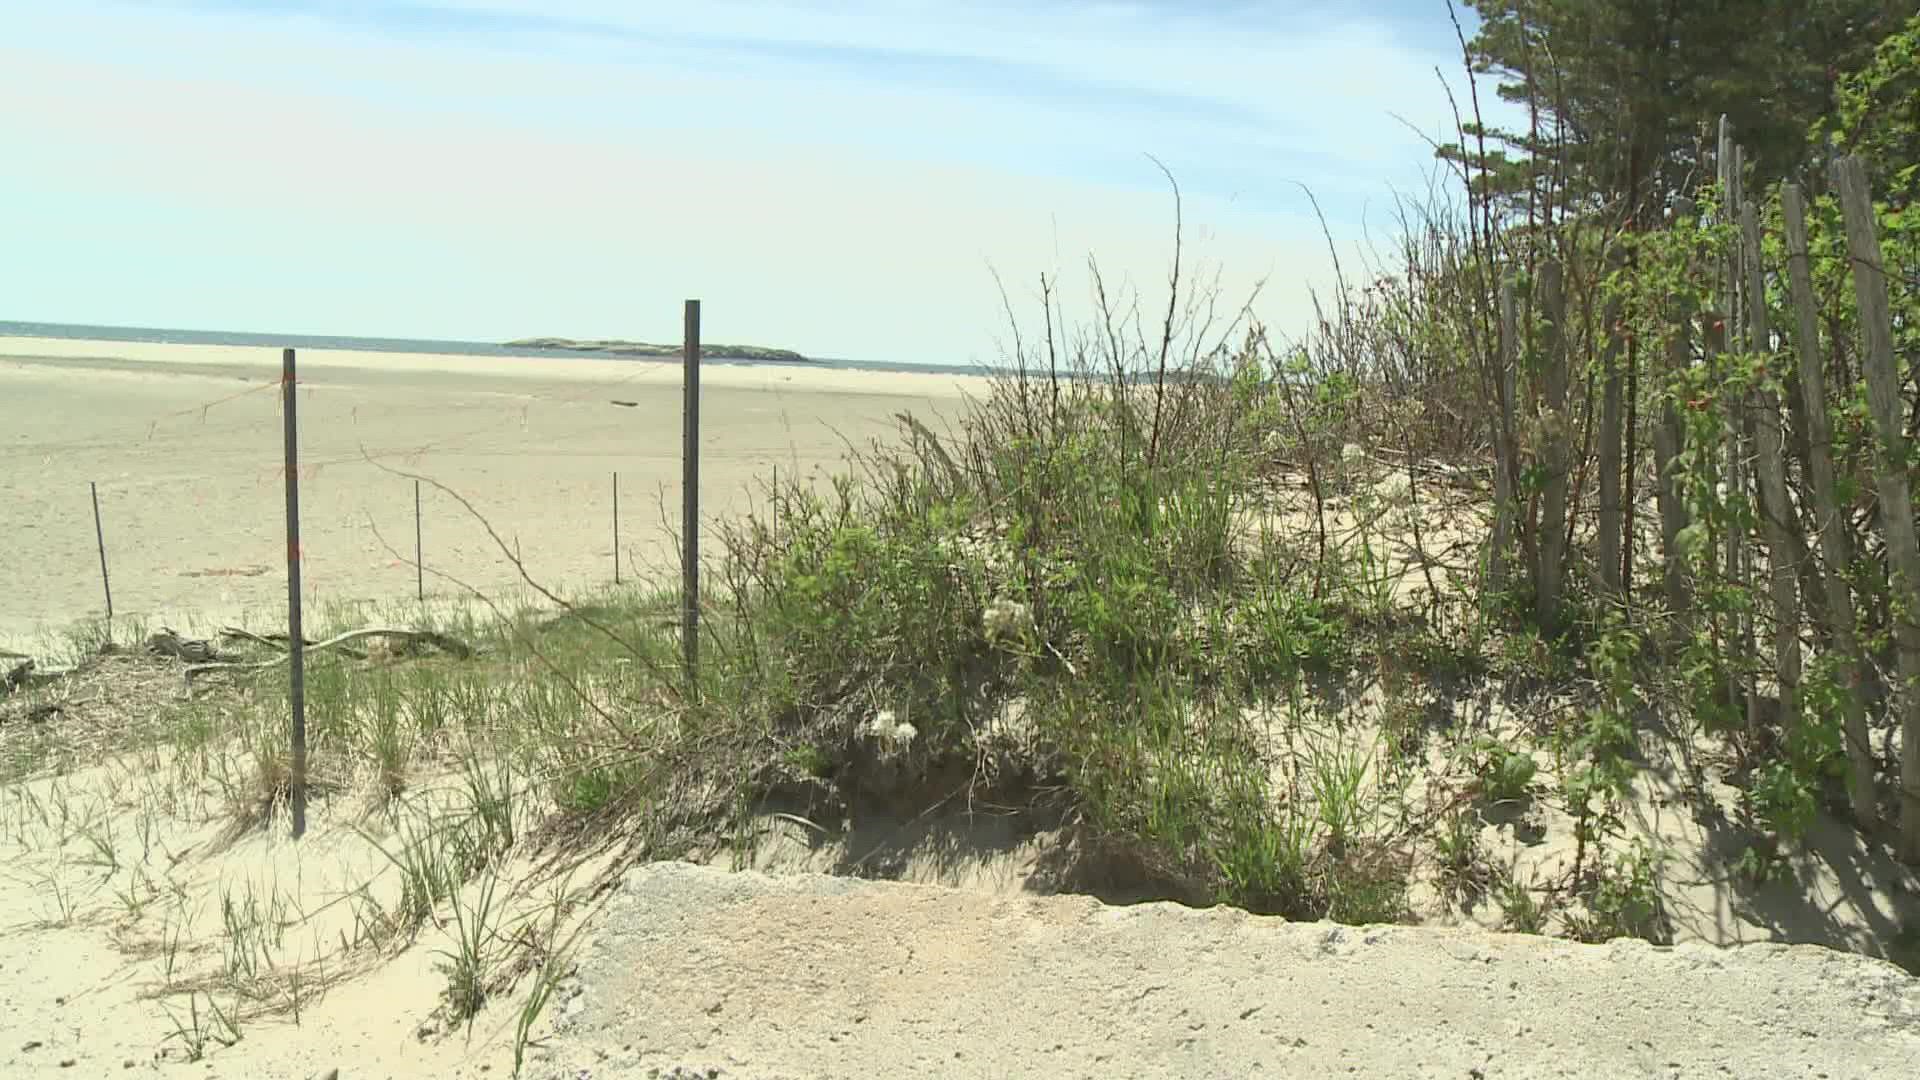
x: 809, y: 976
x: 185, y: 443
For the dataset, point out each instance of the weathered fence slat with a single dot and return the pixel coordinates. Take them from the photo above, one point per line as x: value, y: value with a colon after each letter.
x: 1503, y: 463
x: 1610, y: 447
x: 1556, y: 442
x: 1723, y: 329
x: 1778, y: 521
x: 1669, y: 436
x: 1890, y: 474
x: 1836, y: 544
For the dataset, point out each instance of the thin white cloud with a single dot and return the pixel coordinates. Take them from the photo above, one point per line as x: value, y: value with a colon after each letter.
x: 473, y: 186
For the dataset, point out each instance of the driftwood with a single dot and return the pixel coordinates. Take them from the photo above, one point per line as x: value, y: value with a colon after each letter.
x: 193, y: 650
x: 277, y: 641
x: 271, y: 641
x: 452, y: 646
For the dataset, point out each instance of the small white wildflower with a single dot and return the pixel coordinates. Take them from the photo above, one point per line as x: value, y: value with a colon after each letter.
x: 892, y: 734
x: 1354, y: 470
x: 880, y: 725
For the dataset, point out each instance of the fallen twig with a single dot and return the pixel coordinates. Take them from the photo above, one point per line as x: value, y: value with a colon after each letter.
x: 276, y: 641
x: 272, y: 641
x: 168, y: 642
x: 442, y: 642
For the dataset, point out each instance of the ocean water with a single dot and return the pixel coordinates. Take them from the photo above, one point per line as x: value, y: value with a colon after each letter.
x: 153, y: 335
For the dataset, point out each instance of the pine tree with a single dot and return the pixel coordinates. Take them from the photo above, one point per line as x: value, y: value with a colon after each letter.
x: 1620, y: 93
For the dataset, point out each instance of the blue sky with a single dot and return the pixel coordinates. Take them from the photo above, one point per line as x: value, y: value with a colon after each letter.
x: 842, y: 178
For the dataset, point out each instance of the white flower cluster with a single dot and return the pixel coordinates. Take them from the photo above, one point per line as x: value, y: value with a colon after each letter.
x: 1355, y: 467
x: 1006, y: 619
x: 893, y: 735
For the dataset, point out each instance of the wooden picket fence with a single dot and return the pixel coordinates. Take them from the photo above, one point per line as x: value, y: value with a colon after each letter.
x: 1752, y: 462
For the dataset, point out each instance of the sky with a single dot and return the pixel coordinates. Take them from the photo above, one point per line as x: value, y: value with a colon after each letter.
x: 857, y: 179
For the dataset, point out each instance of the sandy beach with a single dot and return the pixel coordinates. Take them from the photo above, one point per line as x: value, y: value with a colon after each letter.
x: 157, y: 915
x: 185, y: 444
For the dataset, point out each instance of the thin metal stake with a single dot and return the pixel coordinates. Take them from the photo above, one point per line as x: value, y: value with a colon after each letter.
x: 690, y: 501
x: 419, y: 558
x: 616, y: 527
x: 100, y: 537
x: 296, y: 644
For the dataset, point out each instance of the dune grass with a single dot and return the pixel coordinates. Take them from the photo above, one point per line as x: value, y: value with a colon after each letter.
x: 1174, y: 603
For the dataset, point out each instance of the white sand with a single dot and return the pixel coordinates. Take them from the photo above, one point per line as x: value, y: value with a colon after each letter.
x: 185, y: 443
x: 811, y: 976
x: 128, y: 916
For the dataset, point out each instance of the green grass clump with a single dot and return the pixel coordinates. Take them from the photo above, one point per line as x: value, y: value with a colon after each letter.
x: 1077, y: 551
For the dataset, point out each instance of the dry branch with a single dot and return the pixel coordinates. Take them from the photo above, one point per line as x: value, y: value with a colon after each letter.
x: 446, y: 644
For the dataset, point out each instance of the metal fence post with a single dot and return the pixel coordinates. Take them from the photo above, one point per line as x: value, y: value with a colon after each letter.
x: 296, y: 644
x: 690, y: 501
x: 100, y: 537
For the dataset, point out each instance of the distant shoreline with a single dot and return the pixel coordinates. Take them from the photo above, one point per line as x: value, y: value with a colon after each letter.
x: 718, y: 354
x: 756, y: 353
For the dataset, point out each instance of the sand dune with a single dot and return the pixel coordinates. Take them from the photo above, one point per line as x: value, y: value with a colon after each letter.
x: 128, y: 895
